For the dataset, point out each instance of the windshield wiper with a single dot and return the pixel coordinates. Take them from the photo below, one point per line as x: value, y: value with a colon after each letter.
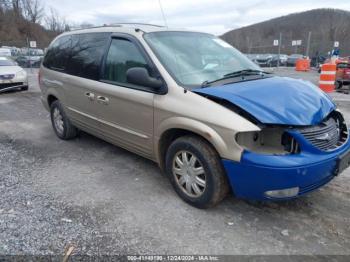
x: 244, y: 72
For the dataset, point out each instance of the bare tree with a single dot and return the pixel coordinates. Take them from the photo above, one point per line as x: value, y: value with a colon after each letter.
x: 13, y: 5
x: 5, y: 4
x: 17, y: 7
x: 54, y: 22
x: 33, y: 10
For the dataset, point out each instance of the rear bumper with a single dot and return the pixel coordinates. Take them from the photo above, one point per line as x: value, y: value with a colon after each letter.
x: 256, y: 174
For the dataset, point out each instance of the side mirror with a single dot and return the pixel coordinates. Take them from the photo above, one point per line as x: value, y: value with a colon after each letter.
x: 140, y: 76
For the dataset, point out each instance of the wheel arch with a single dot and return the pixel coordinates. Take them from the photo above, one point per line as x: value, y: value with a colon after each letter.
x: 174, y: 128
x: 50, y: 99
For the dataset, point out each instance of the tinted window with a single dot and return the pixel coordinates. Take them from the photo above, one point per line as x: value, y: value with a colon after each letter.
x: 86, y: 54
x: 58, y: 54
x: 122, y: 55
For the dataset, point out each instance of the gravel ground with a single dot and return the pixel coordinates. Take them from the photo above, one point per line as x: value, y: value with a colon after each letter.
x: 102, y: 199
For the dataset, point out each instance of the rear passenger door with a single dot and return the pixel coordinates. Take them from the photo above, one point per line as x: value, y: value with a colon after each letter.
x: 126, y: 110
x: 83, y: 73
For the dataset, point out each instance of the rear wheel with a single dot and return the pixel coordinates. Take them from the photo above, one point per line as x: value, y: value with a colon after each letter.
x: 24, y: 88
x: 196, y: 172
x: 61, y: 123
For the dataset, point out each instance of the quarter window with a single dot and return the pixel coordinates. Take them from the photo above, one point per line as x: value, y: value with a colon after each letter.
x: 122, y: 55
x: 58, y: 54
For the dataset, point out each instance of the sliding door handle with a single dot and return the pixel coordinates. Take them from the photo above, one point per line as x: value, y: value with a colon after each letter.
x: 102, y: 100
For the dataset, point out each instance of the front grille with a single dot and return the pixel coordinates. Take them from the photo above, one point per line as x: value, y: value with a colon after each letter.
x: 2, y: 86
x: 329, y: 135
x: 7, y: 77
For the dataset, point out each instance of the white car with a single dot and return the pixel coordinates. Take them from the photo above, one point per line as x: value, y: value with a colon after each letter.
x: 12, y: 76
x: 5, y: 52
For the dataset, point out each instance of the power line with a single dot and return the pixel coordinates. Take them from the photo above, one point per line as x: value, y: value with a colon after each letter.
x: 163, y: 14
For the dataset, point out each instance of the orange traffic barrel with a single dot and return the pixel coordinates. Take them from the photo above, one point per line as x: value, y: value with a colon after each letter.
x: 302, y: 65
x: 328, y: 76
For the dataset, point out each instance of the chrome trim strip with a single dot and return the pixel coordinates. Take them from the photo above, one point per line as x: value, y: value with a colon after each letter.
x: 110, y: 124
x: 10, y: 88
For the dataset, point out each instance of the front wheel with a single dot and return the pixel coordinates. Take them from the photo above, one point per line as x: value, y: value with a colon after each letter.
x: 196, y: 172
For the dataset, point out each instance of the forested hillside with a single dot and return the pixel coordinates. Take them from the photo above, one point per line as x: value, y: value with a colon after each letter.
x: 22, y: 19
x: 326, y: 27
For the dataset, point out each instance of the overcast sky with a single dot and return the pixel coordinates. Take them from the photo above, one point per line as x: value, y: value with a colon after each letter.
x: 213, y: 16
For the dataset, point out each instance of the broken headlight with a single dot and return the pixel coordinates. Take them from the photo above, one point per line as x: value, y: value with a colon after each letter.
x: 271, y: 140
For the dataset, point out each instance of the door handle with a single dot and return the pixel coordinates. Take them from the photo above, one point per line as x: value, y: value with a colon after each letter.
x: 91, y: 96
x: 102, y: 100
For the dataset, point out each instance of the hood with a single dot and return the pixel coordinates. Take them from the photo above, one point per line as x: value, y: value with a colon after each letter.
x: 8, y: 70
x: 276, y: 100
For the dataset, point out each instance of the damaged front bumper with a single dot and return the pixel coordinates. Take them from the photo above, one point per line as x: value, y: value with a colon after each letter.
x: 276, y: 177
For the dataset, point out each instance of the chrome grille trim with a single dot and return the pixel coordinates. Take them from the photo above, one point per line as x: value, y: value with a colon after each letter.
x: 329, y: 135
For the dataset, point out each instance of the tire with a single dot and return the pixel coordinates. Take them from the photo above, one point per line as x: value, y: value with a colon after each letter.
x: 215, y: 182
x: 338, y: 85
x: 24, y: 88
x: 61, y: 123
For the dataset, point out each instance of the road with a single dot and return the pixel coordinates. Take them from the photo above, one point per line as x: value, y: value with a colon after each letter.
x: 104, y: 200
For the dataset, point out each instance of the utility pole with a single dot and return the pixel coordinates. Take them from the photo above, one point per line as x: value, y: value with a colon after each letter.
x: 248, y: 44
x: 163, y: 14
x: 308, y: 44
x: 29, y: 55
x: 279, y: 50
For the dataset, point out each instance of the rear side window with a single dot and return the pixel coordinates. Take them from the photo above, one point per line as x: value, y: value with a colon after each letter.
x: 57, y: 55
x: 122, y: 55
x: 86, y: 54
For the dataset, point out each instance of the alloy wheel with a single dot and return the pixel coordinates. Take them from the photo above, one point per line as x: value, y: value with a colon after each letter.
x: 58, y: 121
x: 189, y: 174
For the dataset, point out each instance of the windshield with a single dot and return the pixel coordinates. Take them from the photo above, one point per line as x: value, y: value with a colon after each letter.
x: 194, y: 58
x: 5, y: 62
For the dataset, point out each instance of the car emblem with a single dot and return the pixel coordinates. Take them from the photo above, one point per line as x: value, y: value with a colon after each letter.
x: 326, y: 137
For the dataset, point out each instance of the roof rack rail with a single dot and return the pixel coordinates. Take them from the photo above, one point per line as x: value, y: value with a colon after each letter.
x: 117, y: 25
x: 121, y: 24
x: 93, y: 27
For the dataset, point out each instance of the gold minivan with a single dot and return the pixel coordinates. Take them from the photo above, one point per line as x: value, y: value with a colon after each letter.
x: 210, y: 117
